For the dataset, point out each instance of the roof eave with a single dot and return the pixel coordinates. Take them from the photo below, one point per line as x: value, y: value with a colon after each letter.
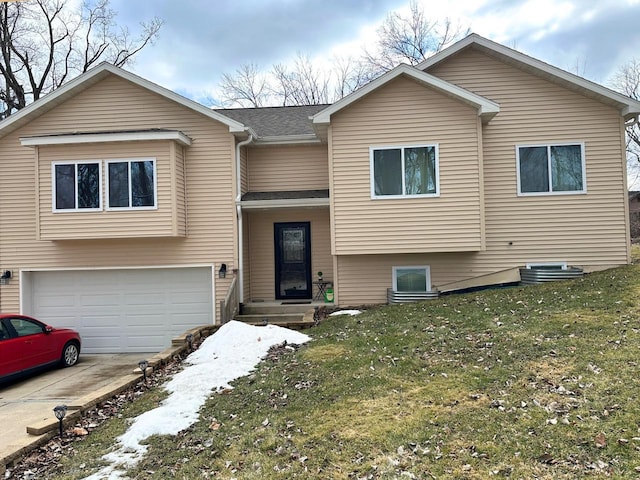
x: 486, y: 108
x: 93, y: 76
x: 71, y: 139
x: 288, y: 139
x: 283, y: 203
x: 628, y: 107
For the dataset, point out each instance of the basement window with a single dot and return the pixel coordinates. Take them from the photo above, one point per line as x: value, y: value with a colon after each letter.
x: 412, y: 279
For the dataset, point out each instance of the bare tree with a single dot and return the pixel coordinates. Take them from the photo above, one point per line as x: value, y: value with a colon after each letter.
x: 627, y: 81
x: 247, y: 88
x: 410, y: 39
x: 302, y: 84
x: 43, y: 43
x: 349, y: 75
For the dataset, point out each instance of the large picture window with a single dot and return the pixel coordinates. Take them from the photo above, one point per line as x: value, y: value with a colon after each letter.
x: 131, y: 183
x: 548, y: 169
x: 76, y: 186
x: 404, y: 171
x: 412, y: 279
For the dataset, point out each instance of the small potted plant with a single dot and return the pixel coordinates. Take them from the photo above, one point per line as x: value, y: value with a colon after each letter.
x: 319, y: 276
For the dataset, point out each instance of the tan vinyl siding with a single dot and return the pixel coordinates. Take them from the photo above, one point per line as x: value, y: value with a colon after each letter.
x: 288, y: 168
x: 261, y: 247
x: 158, y: 222
x: 180, y: 193
x: 405, y: 113
x: 588, y: 229
x: 246, y: 258
x: 244, y: 182
x: 111, y: 105
x: 364, y: 279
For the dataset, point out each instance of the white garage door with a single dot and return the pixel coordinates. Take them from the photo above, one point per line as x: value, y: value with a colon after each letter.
x: 138, y: 310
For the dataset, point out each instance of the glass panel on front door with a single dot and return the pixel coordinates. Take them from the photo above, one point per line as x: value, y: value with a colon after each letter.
x: 293, y: 266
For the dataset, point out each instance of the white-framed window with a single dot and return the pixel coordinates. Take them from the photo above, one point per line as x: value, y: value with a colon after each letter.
x: 551, y: 169
x: 404, y: 171
x: 412, y: 278
x: 76, y: 186
x: 131, y: 184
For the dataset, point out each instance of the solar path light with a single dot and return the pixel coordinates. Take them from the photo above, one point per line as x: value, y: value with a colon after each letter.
x: 60, y: 411
x: 143, y: 364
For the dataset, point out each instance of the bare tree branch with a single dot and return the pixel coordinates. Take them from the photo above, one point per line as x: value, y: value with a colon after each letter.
x: 409, y: 40
x: 247, y: 88
x: 301, y: 85
x: 43, y: 42
x: 627, y: 81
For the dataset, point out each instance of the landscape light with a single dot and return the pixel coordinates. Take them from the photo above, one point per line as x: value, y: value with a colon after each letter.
x: 189, y: 339
x: 143, y: 364
x: 60, y: 411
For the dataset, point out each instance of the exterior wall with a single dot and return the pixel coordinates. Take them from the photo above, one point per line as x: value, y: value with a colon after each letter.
x: 179, y: 190
x: 244, y: 182
x: 110, y: 105
x: 364, y: 279
x: 583, y: 229
x: 588, y: 230
x: 159, y: 222
x: 261, y: 247
x: 288, y: 168
x: 406, y: 113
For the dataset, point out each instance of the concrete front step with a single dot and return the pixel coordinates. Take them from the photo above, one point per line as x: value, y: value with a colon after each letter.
x: 276, y: 308
x: 295, y: 321
x: 275, y: 318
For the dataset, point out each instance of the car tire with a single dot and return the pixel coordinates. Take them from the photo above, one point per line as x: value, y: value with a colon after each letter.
x: 70, y: 354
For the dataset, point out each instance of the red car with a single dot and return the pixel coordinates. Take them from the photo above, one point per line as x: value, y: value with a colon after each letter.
x: 28, y: 345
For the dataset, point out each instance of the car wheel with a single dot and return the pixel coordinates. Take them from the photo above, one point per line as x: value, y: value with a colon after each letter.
x: 70, y: 354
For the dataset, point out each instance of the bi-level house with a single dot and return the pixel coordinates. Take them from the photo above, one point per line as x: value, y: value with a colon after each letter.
x: 131, y: 213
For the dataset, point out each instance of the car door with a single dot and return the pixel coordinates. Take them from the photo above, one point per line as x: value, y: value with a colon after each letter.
x: 32, y: 342
x: 11, y: 358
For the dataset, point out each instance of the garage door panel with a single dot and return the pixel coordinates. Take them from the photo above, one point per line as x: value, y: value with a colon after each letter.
x: 99, y: 300
x: 187, y: 320
x: 144, y: 299
x: 124, y: 310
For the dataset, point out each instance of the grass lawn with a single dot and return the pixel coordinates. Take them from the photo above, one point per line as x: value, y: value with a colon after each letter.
x: 524, y: 382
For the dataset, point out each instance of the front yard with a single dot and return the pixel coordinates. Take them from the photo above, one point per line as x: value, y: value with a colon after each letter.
x: 535, y: 382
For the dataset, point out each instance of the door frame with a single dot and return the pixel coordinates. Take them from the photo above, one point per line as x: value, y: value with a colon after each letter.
x: 277, y: 228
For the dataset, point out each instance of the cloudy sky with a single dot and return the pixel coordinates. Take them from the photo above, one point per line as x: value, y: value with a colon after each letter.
x: 202, y: 39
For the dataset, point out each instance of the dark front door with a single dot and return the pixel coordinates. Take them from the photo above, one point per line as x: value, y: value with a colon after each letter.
x: 293, y: 260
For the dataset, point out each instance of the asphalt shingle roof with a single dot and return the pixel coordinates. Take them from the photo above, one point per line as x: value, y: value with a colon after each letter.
x: 275, y: 121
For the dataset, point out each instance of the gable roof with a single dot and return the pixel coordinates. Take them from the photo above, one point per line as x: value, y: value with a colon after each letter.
x: 628, y: 107
x: 486, y: 108
x: 93, y: 76
x: 272, y: 124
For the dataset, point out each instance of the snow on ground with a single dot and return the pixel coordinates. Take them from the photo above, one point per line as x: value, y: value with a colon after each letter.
x: 232, y: 352
x: 345, y: 312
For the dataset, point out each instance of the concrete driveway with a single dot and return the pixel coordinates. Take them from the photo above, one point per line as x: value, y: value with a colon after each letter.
x: 30, y: 401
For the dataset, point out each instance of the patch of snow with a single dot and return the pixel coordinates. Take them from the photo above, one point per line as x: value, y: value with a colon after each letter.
x: 232, y: 352
x: 345, y: 312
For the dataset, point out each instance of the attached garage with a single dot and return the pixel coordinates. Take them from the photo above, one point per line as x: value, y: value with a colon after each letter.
x: 122, y: 310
